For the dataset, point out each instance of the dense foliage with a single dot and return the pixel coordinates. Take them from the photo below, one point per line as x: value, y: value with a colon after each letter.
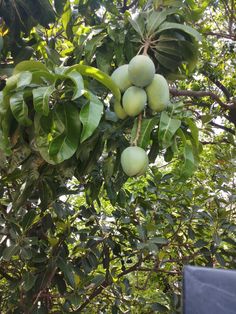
x: 77, y: 235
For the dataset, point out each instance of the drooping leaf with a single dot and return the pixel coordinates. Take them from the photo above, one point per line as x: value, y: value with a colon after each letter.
x: 194, y: 130
x: 43, y: 126
x: 167, y: 61
x: 30, y: 66
x: 66, y: 17
x: 57, y: 135
x: 138, y: 24
x: 90, y: 116
x: 167, y: 129
x: 145, y: 132
x: 97, y: 75
x: 185, y: 28
x: 28, y: 281
x: 24, y: 79
x: 156, y: 18
x: 77, y: 79
x: 19, y: 108
x: 170, y: 48
x: 28, y: 219
x: 10, y: 251
x: 67, y: 270
x: 41, y: 97
x: 190, y: 162
x: 65, y: 144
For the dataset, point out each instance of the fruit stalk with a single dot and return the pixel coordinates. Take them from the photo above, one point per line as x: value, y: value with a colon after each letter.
x: 138, y: 132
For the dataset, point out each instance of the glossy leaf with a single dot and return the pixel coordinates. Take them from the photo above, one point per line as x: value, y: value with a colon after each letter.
x: 167, y: 129
x: 190, y: 162
x: 66, y: 16
x: 57, y: 135
x: 167, y: 61
x: 77, y: 79
x: 41, y: 96
x: 156, y: 18
x: 28, y: 219
x: 138, y: 24
x: 19, y: 108
x: 30, y: 66
x: 98, y: 75
x: 185, y: 28
x: 90, y: 116
x: 194, y: 130
x: 65, y: 144
x: 10, y: 251
x: 24, y: 79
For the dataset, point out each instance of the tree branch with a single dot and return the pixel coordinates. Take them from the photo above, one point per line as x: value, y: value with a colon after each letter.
x: 221, y: 35
x: 218, y: 84
x: 128, y: 7
x: 199, y: 94
x: 106, y: 283
x: 225, y: 128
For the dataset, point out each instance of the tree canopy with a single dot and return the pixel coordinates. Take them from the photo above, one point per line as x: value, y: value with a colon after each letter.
x: 77, y: 234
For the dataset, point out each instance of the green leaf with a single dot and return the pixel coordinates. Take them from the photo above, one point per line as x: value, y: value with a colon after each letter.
x: 59, y: 6
x: 220, y: 259
x: 30, y: 66
x: 167, y: 129
x: 28, y: 219
x: 67, y: 123
x: 28, y: 281
x: 41, y: 96
x: 194, y: 130
x: 43, y: 127
x: 42, y: 78
x: 180, y: 133
x: 57, y: 135
x: 171, y: 48
x: 90, y: 116
x: 190, y: 163
x: 138, y: 24
x: 156, y: 18
x: 167, y: 61
x: 97, y: 75
x: 67, y: 270
x: 77, y: 79
x: 187, y: 29
x: 10, y: 251
x: 19, y: 108
x: 66, y: 16
x: 159, y: 308
x: 24, y: 79
x: 146, y: 129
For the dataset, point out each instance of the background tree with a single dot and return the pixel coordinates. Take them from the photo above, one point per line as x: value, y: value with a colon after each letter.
x: 77, y: 235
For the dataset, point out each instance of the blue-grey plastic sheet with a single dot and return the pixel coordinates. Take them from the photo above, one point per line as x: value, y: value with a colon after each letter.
x: 209, y: 291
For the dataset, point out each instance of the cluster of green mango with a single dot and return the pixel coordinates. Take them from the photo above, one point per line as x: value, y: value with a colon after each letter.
x: 140, y: 86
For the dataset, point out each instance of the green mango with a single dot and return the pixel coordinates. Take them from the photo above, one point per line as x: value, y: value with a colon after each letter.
x: 134, y: 161
x: 158, y: 93
x: 134, y: 100
x: 141, y: 70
